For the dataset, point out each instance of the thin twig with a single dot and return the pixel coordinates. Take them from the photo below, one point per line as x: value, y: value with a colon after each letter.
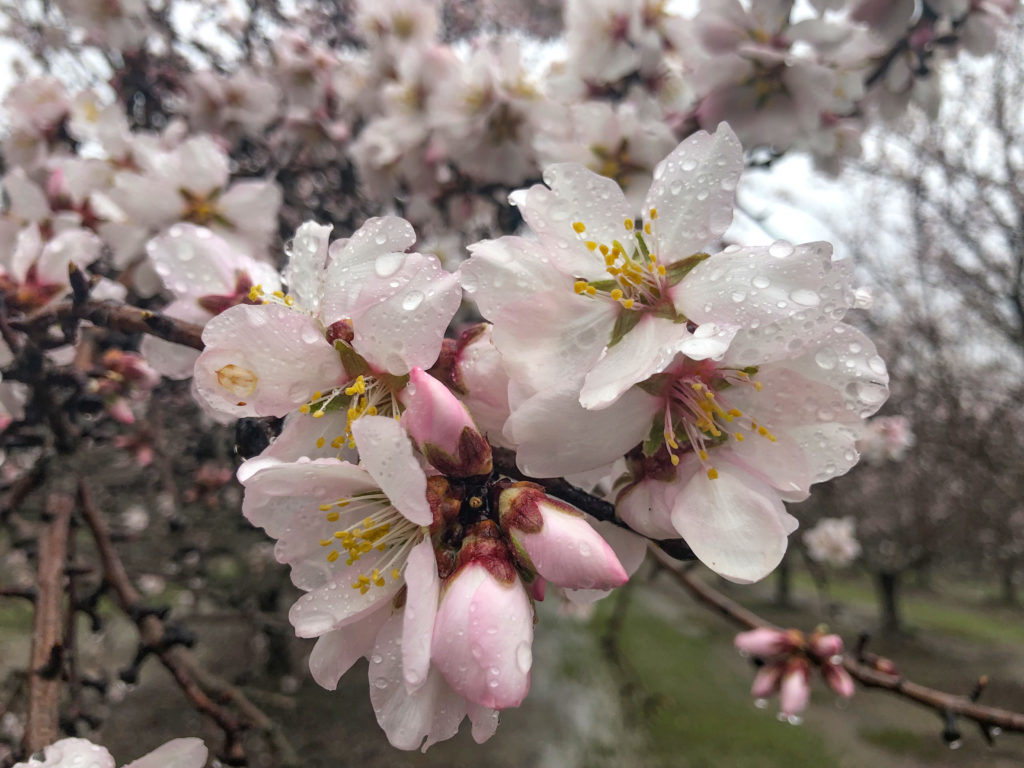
x: 945, y: 704
x: 113, y: 314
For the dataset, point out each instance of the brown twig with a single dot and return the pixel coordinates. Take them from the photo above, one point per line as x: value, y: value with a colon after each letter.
x: 113, y: 314
x: 41, y: 728
x: 945, y: 704
x: 204, y: 690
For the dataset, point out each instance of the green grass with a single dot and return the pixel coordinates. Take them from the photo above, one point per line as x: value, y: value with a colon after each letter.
x: 703, y: 716
x: 937, y: 612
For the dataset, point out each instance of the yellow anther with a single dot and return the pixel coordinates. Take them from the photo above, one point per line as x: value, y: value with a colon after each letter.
x: 613, y: 270
x: 579, y: 227
x: 628, y: 224
x: 338, y: 441
x: 289, y: 301
x: 332, y: 517
x: 758, y: 386
x: 735, y: 412
x: 395, y: 574
x: 604, y: 249
x: 661, y: 270
x: 712, y: 474
x: 616, y: 293
x: 647, y: 227
x: 738, y: 436
x: 320, y: 442
x: 325, y: 542
x: 579, y: 286
x: 703, y: 454
x: 332, y: 555
x: 317, y: 395
x: 318, y: 415
x: 278, y: 294
x: 304, y: 408
x: 628, y: 303
x: 341, y: 534
x: 675, y: 460
x: 325, y: 507
x: 591, y: 290
x: 591, y: 245
x: 654, y: 213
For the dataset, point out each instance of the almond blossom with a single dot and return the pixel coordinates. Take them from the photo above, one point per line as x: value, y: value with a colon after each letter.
x: 833, y: 541
x: 358, y: 315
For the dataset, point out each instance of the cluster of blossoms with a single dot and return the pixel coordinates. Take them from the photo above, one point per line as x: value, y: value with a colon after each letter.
x: 380, y: 490
x: 786, y: 658
x: 706, y: 388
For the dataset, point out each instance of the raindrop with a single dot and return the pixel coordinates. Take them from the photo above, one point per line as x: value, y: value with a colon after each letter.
x: 760, y: 281
x: 412, y: 300
x: 524, y: 657
x: 826, y: 358
x: 805, y: 297
x: 389, y: 263
x: 380, y: 683
x: 780, y: 249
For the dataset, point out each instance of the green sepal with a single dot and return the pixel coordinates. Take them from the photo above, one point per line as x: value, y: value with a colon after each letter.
x: 656, y: 437
x: 677, y: 270
x: 352, y: 361
x: 604, y: 285
x: 655, y: 385
x: 625, y: 323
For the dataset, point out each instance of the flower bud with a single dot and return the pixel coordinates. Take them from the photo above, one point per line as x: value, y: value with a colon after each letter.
x: 442, y: 428
x: 764, y: 642
x: 483, y: 631
x: 795, y: 688
x: 554, y: 540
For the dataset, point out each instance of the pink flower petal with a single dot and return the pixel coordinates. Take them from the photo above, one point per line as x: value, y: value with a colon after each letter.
x: 386, y: 452
x: 423, y: 589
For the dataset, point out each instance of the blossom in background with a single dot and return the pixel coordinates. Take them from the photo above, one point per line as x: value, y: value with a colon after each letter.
x: 72, y: 753
x: 788, y: 658
x: 206, y: 275
x: 886, y: 438
x: 833, y: 541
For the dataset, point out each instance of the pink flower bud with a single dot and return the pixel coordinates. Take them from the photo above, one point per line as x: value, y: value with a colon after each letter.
x: 554, y: 540
x: 838, y: 679
x: 826, y: 646
x: 765, y: 643
x: 483, y: 632
x: 795, y: 688
x: 766, y: 681
x: 443, y: 428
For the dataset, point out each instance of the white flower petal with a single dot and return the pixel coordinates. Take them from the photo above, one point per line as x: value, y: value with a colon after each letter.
x: 555, y: 436
x: 423, y: 589
x: 693, y: 192
x: 733, y: 523
x: 387, y: 453
x: 336, y: 651
x: 430, y: 714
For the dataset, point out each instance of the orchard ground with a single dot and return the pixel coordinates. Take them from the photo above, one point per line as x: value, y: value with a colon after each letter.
x: 667, y: 689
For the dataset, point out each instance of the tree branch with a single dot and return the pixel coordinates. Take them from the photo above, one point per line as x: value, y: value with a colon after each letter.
x: 204, y: 690
x: 42, y: 726
x: 113, y: 314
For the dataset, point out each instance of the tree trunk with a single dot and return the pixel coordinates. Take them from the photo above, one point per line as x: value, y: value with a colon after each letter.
x: 784, y: 583
x: 888, y: 584
x: 1008, y: 583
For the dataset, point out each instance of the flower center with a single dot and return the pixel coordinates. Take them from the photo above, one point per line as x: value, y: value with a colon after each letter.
x: 366, y: 396
x: 635, y: 275
x: 697, y: 411
x: 373, y: 524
